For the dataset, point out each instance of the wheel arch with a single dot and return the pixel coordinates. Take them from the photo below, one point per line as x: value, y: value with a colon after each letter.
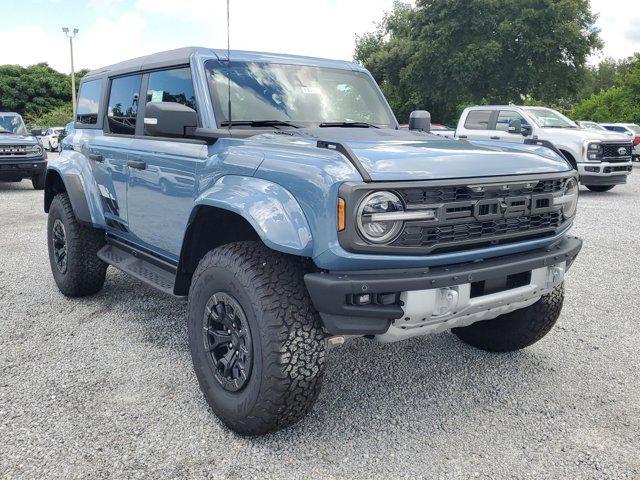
x: 239, y: 209
x: 71, y: 184
x: 569, y: 156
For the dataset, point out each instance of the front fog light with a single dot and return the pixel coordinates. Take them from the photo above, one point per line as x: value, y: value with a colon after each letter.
x: 376, y: 220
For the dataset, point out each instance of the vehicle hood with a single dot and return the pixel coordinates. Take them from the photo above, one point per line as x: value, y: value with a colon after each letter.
x: 590, y: 134
x: 405, y: 155
x: 13, y: 139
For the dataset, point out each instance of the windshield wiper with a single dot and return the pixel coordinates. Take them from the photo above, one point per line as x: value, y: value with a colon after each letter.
x: 347, y: 125
x: 258, y: 123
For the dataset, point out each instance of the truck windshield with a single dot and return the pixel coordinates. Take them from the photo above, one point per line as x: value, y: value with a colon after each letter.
x: 298, y: 95
x: 547, y: 118
x: 12, y: 123
x: 592, y: 126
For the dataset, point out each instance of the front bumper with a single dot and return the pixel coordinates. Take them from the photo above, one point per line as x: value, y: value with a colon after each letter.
x: 604, y: 173
x: 332, y: 292
x: 13, y: 169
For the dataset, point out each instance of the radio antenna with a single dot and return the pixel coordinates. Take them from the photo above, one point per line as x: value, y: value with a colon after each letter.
x: 229, y: 66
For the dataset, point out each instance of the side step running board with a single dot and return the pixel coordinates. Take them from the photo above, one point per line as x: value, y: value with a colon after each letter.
x: 138, y: 268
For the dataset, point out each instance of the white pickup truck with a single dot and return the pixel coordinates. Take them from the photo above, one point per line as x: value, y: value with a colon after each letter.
x: 603, y: 159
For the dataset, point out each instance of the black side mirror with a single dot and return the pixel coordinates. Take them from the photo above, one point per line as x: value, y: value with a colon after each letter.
x: 515, y: 127
x: 420, y: 120
x: 36, y: 132
x: 527, y: 130
x: 169, y: 119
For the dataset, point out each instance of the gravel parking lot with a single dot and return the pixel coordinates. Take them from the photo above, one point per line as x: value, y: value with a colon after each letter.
x: 103, y: 387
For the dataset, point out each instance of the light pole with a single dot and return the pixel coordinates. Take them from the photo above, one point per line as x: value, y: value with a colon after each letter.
x: 71, y: 34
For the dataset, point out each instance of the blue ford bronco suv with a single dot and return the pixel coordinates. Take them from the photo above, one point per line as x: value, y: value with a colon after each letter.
x: 279, y: 195
x: 21, y: 153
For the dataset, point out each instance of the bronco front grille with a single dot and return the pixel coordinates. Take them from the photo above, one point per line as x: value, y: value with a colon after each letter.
x: 477, y: 214
x: 438, y: 238
x: 414, y: 197
x: 611, y: 153
x: 13, y: 151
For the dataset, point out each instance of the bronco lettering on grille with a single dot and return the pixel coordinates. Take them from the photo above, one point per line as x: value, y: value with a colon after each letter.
x: 495, y: 208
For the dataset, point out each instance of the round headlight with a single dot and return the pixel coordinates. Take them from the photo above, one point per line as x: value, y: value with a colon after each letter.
x: 571, y: 194
x: 371, y: 217
x: 34, y: 150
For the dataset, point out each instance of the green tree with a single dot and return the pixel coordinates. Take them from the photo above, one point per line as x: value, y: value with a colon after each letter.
x: 604, y: 76
x: 34, y: 90
x: 58, y: 117
x: 446, y: 53
x: 620, y: 103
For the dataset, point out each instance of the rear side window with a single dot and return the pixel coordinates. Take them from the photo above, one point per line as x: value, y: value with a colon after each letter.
x: 173, y: 85
x: 123, y: 104
x: 478, y: 120
x: 89, y: 102
x: 505, y: 117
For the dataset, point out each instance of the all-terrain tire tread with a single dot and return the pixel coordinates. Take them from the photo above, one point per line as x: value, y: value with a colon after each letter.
x: 293, y: 344
x: 85, y: 272
x: 518, y: 329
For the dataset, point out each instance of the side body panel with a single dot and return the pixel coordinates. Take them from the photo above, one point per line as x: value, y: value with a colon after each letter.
x: 161, y: 195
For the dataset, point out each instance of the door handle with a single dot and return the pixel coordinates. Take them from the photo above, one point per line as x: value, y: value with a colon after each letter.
x: 463, y: 136
x: 137, y: 165
x: 96, y: 157
x: 495, y: 138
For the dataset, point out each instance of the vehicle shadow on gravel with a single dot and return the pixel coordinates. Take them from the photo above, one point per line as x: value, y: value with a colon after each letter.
x: 417, y: 381
x: 13, y: 186
x: 160, y: 318
x: 368, y: 385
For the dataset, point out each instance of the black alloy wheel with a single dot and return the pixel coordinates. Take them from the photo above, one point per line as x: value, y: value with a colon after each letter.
x: 59, y: 243
x: 227, y: 338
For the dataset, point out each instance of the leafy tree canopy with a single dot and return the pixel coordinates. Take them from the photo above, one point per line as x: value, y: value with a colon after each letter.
x: 621, y: 103
x: 34, y: 90
x: 447, y: 53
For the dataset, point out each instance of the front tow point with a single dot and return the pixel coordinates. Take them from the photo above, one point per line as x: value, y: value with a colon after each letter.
x: 555, y: 276
x: 446, y: 301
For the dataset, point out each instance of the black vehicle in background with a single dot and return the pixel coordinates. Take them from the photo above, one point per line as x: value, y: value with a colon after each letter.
x: 21, y: 153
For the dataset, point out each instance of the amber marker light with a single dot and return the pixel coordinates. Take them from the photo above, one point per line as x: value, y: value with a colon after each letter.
x: 341, y: 215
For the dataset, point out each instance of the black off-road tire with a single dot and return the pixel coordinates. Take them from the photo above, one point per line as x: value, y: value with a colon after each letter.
x: 600, y: 188
x: 515, y: 330
x: 38, y: 181
x: 287, y: 337
x: 85, y: 272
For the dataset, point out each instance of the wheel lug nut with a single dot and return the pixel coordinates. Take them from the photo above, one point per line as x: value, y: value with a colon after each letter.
x: 231, y: 345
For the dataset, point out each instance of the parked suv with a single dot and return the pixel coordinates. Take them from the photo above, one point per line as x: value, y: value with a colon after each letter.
x: 603, y: 159
x: 21, y: 154
x: 298, y: 215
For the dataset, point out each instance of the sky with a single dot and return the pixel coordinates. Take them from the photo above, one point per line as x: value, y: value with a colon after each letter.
x: 116, y: 30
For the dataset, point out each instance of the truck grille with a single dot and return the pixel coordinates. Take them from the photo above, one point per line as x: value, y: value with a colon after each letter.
x: 437, y: 238
x: 417, y: 197
x: 611, y: 154
x: 472, y: 216
x: 13, y: 151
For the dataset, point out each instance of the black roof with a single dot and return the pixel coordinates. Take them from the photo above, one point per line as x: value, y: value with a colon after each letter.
x: 156, y: 60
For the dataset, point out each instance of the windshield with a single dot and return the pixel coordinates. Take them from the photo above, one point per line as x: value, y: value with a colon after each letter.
x: 547, y: 118
x: 592, y: 126
x: 300, y: 95
x: 12, y: 124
